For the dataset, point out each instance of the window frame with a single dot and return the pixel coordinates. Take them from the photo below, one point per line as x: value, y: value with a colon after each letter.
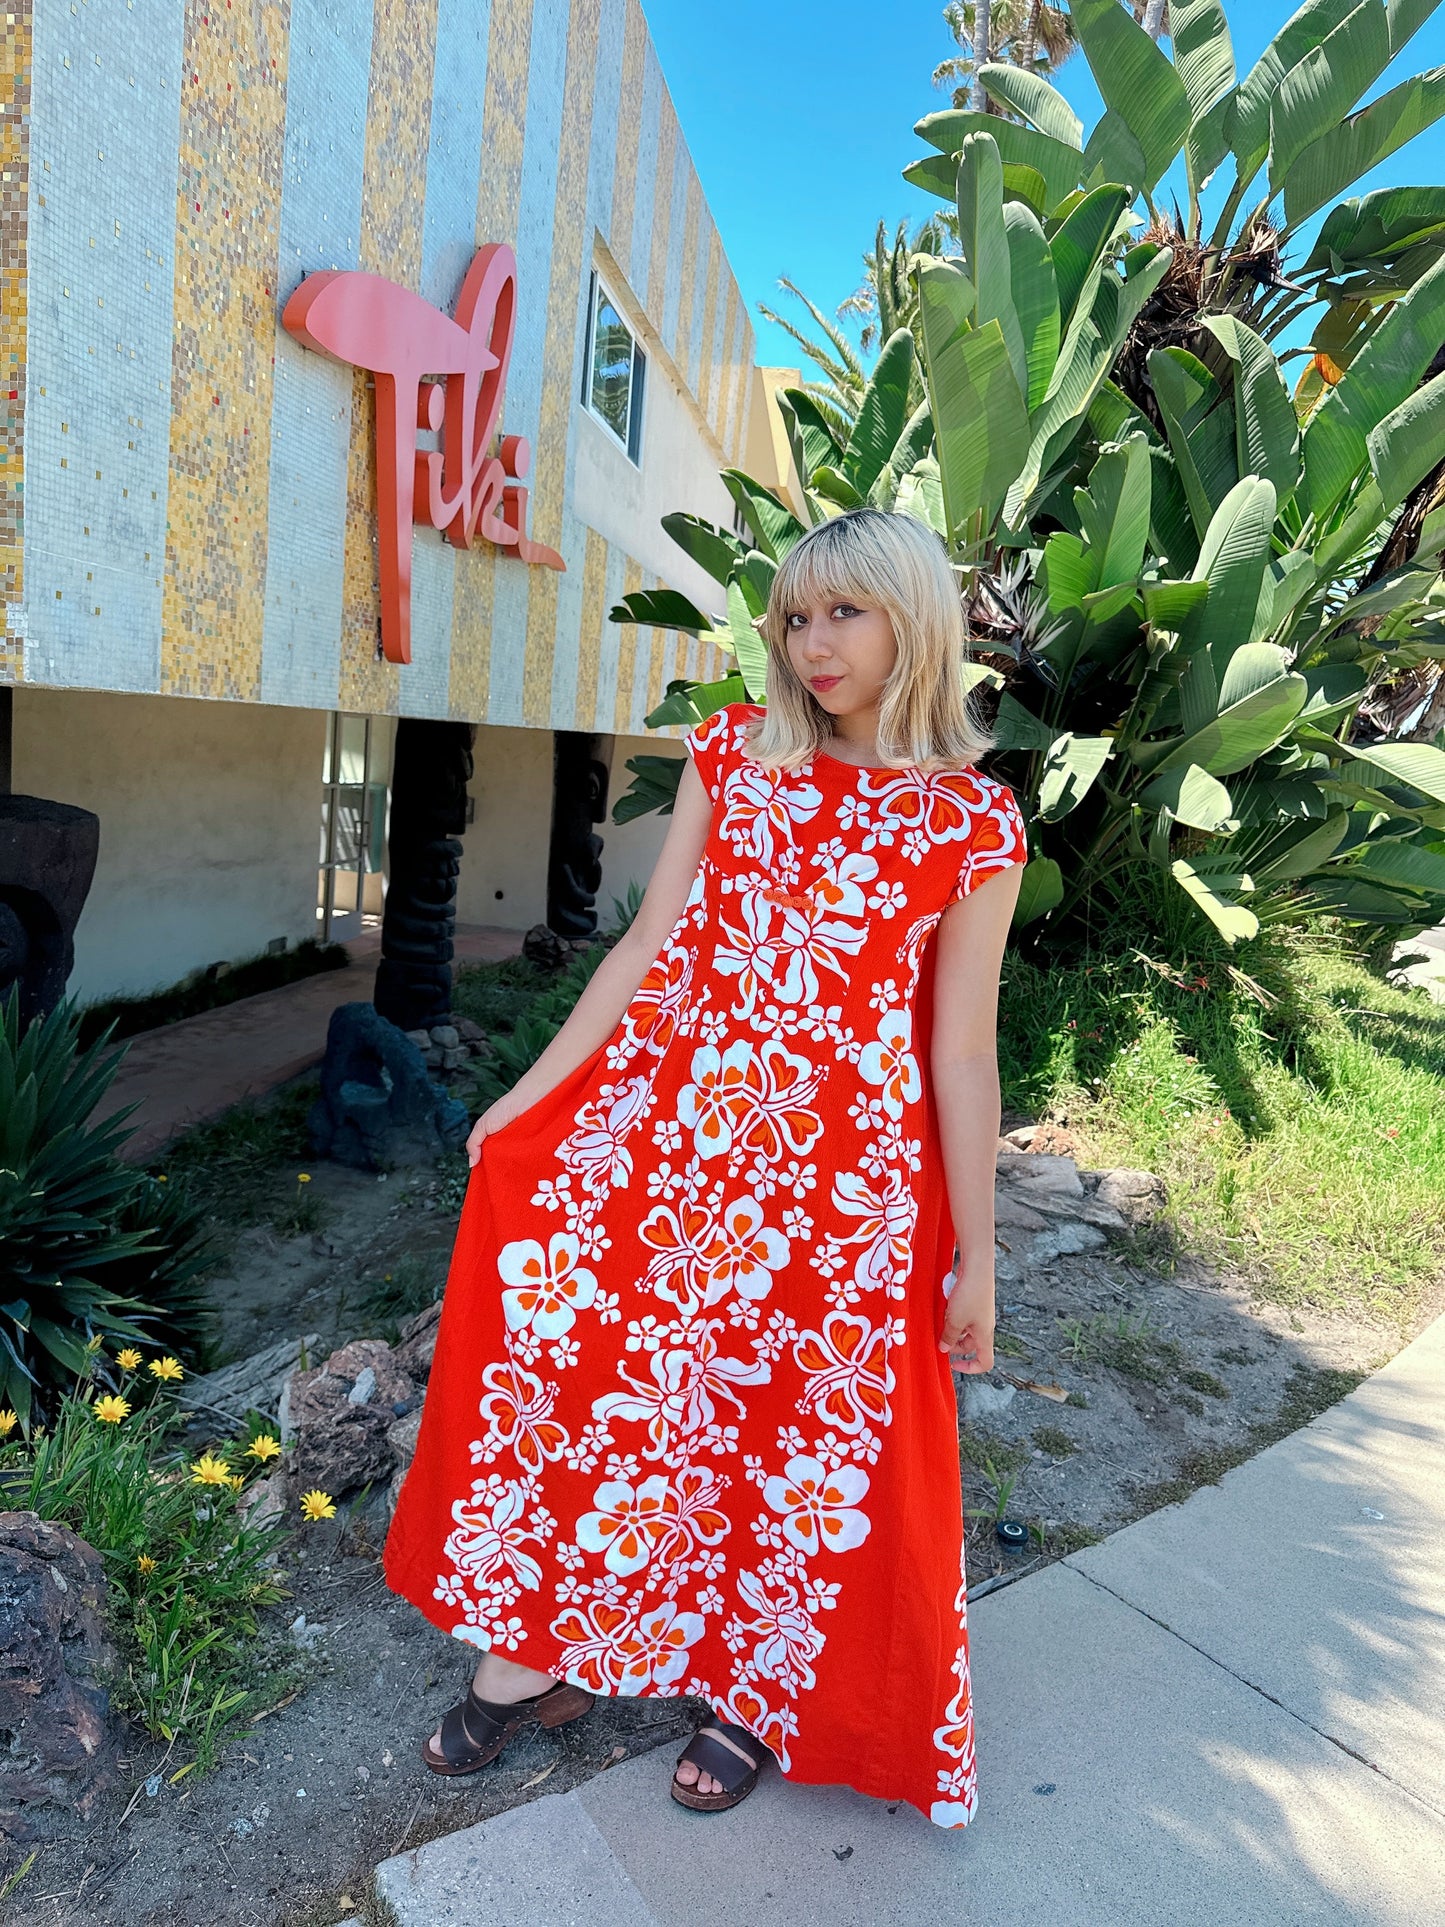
x: 631, y: 444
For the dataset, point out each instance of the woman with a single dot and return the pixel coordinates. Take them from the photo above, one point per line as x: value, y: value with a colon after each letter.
x: 691, y: 1428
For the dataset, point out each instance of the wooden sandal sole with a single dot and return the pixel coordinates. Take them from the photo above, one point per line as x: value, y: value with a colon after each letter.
x: 712, y: 1802
x: 560, y: 1709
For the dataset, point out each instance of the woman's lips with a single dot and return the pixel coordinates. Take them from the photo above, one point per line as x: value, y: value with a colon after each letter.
x: 825, y: 682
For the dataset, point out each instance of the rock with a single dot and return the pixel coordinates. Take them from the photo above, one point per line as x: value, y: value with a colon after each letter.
x: 1009, y: 1210
x: 402, y: 1438
x: 1138, y: 1196
x: 469, y: 1032
x: 342, y: 1412
x: 982, y: 1399
x: 446, y: 1035
x: 1050, y: 1138
x: 541, y: 945
x: 54, y: 1652
x: 1038, y: 1174
x: 417, y: 1342
x: 250, y: 1385
x: 421, y: 1038
x: 377, y: 1106
x: 453, y: 1058
x: 1107, y: 1216
x: 1064, y: 1239
x: 264, y: 1503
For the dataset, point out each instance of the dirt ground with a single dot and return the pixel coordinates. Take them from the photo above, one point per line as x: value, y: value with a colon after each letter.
x: 1167, y: 1380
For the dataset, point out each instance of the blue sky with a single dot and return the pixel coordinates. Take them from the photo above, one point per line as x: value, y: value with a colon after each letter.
x: 799, y: 117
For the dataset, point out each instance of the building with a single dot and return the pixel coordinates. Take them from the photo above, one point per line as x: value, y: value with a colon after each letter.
x: 194, y: 547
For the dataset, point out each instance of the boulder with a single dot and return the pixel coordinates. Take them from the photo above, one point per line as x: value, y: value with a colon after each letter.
x: 56, y: 1746
x: 1138, y: 1196
x: 378, y: 1108
x: 402, y: 1439
x: 341, y: 1413
x: 250, y: 1385
x: 417, y: 1342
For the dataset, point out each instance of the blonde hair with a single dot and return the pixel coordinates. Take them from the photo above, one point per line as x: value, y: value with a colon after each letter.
x: 927, y: 718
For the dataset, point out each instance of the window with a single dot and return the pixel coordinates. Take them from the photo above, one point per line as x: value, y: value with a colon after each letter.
x: 613, y: 371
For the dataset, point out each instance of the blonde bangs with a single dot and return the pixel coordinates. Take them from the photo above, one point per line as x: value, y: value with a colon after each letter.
x: 927, y: 718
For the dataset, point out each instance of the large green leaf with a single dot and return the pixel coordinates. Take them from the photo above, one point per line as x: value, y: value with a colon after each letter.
x: 664, y: 607
x: 985, y: 248
x: 882, y: 412
x: 1192, y: 796
x: 712, y: 549
x: 775, y: 527
x: 1328, y: 166
x: 1114, y: 154
x: 980, y: 419
x: 1060, y: 165
x: 1419, y: 764
x: 912, y: 445
x: 1032, y: 96
x: 1249, y: 126
x: 1242, y: 730
x: 1403, y: 866
x: 1232, y: 559
x: 1407, y: 444
x: 1136, y: 80
x: 1359, y: 232
x: 1114, y: 512
x: 1200, y: 428
x: 920, y: 494
x: 748, y: 646
x: 1319, y: 90
x: 816, y: 444
x: 1266, y: 428
x: 1233, y: 922
x: 1017, y: 728
x: 1386, y: 370
x: 1035, y: 296
x: 1300, y: 848
x: 1204, y: 61
x: 1041, y: 889
x: 1078, y: 245
x: 1069, y: 769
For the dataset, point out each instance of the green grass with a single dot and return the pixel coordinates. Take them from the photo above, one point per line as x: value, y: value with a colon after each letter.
x: 242, y: 1168
x: 1289, y: 1098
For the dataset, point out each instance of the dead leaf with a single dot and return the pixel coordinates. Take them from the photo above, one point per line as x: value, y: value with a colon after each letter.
x: 538, y: 1778
x: 1055, y: 1392
x: 617, y: 1753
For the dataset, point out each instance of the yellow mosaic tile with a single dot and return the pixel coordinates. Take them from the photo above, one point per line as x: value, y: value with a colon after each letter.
x: 499, y: 193
x: 549, y: 457
x: 228, y: 203
x: 398, y: 123
x: 626, y: 633
x: 629, y: 128
x: 14, y: 202
x: 595, y: 627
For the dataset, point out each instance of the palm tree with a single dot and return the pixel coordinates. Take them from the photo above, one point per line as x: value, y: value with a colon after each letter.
x: 1031, y: 34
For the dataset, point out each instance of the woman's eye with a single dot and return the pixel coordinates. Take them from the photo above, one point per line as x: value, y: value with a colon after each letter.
x: 845, y: 609
x: 793, y: 621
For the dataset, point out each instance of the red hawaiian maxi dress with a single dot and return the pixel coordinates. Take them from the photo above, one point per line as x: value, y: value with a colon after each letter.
x: 689, y: 1430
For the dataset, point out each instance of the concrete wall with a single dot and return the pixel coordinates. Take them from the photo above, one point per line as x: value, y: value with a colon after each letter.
x: 209, y: 823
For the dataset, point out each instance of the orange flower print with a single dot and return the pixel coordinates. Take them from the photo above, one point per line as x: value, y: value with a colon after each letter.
x: 889, y: 1062
x: 548, y: 1288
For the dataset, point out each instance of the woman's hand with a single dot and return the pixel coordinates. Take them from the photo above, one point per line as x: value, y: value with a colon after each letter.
x: 968, y: 1321
x: 496, y: 1115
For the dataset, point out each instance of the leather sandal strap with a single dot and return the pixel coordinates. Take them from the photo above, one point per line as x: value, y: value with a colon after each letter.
x: 715, y: 1751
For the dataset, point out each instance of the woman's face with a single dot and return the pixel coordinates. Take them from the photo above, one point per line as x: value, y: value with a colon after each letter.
x: 843, y: 652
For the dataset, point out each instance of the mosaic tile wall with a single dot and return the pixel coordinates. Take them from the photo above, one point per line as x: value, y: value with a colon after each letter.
x: 186, y: 496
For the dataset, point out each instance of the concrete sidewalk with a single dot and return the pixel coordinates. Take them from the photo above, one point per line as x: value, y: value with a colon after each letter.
x: 1231, y: 1712
x: 183, y: 1073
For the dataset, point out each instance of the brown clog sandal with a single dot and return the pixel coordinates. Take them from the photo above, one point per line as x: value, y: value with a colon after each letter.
x: 730, y: 1754
x: 475, y: 1730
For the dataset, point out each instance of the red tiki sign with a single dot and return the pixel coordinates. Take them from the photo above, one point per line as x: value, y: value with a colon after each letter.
x: 466, y: 487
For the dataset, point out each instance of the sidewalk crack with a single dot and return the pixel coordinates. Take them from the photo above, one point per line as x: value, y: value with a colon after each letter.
x: 1255, y: 1687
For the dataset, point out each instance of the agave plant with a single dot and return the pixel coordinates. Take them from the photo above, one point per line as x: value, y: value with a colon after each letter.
x: 1184, y: 578
x: 77, y: 1225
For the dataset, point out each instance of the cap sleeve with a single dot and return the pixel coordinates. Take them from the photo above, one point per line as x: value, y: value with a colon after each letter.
x: 707, y: 743
x: 999, y: 840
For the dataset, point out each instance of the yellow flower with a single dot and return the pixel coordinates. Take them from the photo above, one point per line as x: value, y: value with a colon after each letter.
x: 160, y: 1177
x: 209, y: 1470
x: 236, y: 1481
x: 94, y: 1344
x: 264, y: 1448
x: 112, y: 1409
x: 145, y: 1565
x: 303, y: 1177
x: 129, y: 1359
x: 8, y: 1422
x: 318, y: 1505
x: 168, y: 1368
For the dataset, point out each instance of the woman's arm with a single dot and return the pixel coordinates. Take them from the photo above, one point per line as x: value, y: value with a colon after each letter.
x: 963, y: 1063
x: 614, y: 983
